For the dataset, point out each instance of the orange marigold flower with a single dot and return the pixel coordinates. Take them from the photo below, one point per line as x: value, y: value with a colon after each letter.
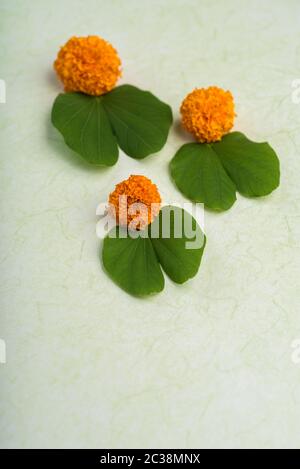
x: 89, y: 64
x: 135, y: 202
x: 208, y: 113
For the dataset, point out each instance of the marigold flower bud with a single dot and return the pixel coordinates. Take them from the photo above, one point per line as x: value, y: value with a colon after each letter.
x: 135, y: 201
x: 208, y: 113
x: 89, y: 65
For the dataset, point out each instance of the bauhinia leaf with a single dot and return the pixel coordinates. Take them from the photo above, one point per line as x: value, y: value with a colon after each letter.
x: 200, y: 176
x: 211, y: 173
x: 178, y: 242
x: 141, y: 121
x: 254, y: 167
x: 174, y: 240
x: 132, y: 263
x: 84, y: 124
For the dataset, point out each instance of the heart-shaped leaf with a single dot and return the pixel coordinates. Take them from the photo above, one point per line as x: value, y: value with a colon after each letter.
x: 254, y: 167
x: 200, y: 176
x: 132, y: 263
x: 211, y: 173
x: 93, y: 125
x: 178, y: 242
x: 140, y: 121
x: 174, y: 240
x: 84, y: 124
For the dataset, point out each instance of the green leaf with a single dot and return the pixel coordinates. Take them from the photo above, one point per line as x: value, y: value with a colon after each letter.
x: 211, y: 173
x: 141, y: 121
x: 174, y: 240
x: 170, y: 232
x: 86, y: 129
x: 132, y: 263
x: 200, y: 176
x: 254, y: 167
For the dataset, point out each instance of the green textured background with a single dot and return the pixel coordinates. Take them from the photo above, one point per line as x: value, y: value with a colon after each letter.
x: 206, y: 364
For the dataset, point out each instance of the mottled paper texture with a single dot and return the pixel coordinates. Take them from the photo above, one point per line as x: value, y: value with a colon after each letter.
x: 206, y: 364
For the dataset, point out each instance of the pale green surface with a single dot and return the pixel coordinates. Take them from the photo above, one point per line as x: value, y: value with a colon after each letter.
x: 206, y: 364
